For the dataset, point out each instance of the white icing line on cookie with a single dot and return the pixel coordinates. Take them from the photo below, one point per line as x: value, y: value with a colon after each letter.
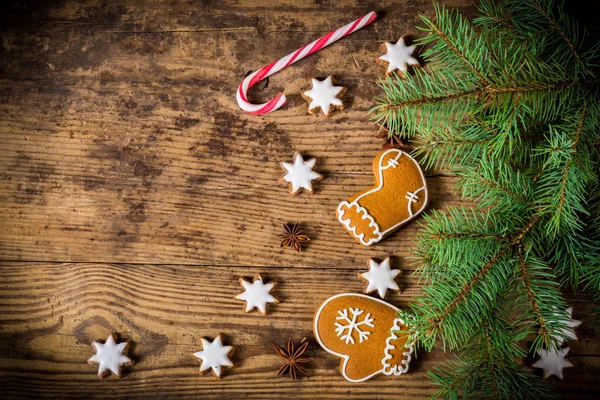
x: 353, y: 324
x: 396, y: 369
x: 365, y: 216
x: 413, y: 198
x: 346, y: 357
x: 347, y: 223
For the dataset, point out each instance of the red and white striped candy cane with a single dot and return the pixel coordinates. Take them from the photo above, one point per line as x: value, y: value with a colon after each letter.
x: 291, y: 58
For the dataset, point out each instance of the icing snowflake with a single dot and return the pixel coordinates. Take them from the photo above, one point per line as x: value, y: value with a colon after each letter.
x: 399, y: 56
x: 352, y: 325
x: 380, y: 277
x: 257, y: 294
x: 214, y: 356
x: 324, y: 95
x: 553, y: 362
x: 300, y: 175
x: 570, y: 331
x: 110, y: 357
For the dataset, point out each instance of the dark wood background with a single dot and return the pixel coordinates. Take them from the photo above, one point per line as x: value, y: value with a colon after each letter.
x: 134, y: 194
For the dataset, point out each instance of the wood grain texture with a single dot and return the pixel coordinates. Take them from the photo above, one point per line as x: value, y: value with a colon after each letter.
x: 53, y: 311
x: 138, y: 152
x: 134, y: 194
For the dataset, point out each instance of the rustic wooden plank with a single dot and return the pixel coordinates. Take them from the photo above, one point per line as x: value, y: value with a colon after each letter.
x: 107, y: 210
x: 122, y: 141
x: 51, y: 312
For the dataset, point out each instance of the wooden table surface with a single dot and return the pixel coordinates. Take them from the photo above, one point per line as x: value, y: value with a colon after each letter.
x: 134, y: 194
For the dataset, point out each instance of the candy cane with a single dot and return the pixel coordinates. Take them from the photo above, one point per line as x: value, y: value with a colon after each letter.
x: 291, y: 58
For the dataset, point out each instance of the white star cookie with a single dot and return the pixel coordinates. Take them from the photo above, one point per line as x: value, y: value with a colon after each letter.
x: 553, y: 362
x: 214, y: 356
x: 299, y: 175
x: 257, y: 294
x: 110, y: 357
x: 398, y: 57
x: 324, y: 96
x: 380, y: 277
x: 570, y: 331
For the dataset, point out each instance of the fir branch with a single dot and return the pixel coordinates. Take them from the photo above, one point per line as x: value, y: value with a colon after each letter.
x: 478, y: 234
x: 492, y: 15
x: 533, y: 301
x: 541, y: 309
x: 497, y: 185
x: 457, y: 377
x: 467, y: 288
x: 453, y: 145
x: 509, y: 134
x: 563, y: 186
x: 565, y: 175
x: 489, y: 368
x: 487, y: 93
x: 438, y: 153
x: 556, y: 27
x: 437, y: 316
x: 572, y: 256
x: 405, y: 114
x: 514, y: 109
x: 453, y: 23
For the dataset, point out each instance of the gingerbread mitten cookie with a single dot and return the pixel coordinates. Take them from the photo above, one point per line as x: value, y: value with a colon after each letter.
x: 365, y: 333
x: 399, y: 195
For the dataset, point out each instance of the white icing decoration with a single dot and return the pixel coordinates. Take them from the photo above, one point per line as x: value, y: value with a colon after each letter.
x: 365, y: 215
x: 256, y: 294
x: 570, y: 331
x: 109, y: 356
x: 396, y: 370
x: 323, y: 94
x: 353, y: 325
x: 381, y: 277
x: 399, y: 56
x: 553, y: 362
x: 355, y: 203
x: 214, y: 355
x: 346, y: 357
x: 300, y: 173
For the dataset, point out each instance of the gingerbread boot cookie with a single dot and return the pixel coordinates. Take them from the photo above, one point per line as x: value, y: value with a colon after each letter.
x: 365, y: 333
x: 399, y: 195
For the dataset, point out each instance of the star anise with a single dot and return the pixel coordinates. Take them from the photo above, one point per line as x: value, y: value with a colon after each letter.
x: 293, y: 358
x: 293, y: 237
x: 390, y: 141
